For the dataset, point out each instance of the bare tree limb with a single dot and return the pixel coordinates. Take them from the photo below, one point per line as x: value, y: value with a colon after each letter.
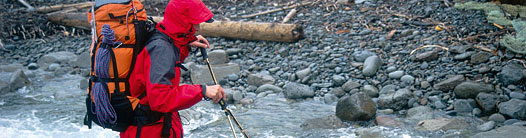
x: 276, y: 10
x: 289, y: 16
x: 29, y: 7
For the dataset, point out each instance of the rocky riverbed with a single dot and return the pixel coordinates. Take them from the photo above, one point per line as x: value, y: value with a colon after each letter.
x: 419, y: 65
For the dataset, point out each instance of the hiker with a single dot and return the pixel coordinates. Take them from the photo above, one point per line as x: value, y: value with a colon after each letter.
x: 157, y: 70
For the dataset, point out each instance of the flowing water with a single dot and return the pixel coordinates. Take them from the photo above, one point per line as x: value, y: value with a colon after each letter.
x: 55, y: 108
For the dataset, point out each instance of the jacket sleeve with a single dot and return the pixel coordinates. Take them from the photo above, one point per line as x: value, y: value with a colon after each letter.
x: 162, y: 84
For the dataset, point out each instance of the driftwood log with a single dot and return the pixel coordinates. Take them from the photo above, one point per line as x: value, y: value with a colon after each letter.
x: 229, y: 29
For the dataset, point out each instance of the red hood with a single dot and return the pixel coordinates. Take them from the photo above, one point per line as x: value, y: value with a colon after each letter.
x: 179, y: 16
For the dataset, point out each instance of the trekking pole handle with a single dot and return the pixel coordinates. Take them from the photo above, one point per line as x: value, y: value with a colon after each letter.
x: 203, y: 52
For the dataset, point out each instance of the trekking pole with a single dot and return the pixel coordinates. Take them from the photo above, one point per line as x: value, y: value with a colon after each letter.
x: 222, y: 102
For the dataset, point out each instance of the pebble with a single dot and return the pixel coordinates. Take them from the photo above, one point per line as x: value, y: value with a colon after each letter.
x: 396, y: 74
x: 408, y: 79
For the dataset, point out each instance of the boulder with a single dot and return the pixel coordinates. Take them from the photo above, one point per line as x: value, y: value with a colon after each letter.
x: 61, y: 57
x: 301, y: 74
x: 259, y: 79
x: 486, y: 126
x: 420, y: 113
x: 395, y: 101
x: 370, y: 90
x: 510, y: 131
x: 297, y: 91
x: 349, y: 85
x: 487, y: 102
x: 357, y: 107
x: 449, y: 84
x: 464, y: 105
x: 83, y: 60
x: 513, y: 108
x: 511, y: 74
x: 269, y: 87
x: 329, y: 122
x: 470, y: 89
x: 443, y: 124
x: 201, y: 75
x: 386, y: 121
x: 218, y: 57
x: 371, y: 65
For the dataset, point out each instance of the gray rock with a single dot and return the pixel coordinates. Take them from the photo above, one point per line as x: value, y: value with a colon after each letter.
x: 283, y: 52
x: 269, y: 87
x: 371, y: 65
x: 360, y: 56
x: 396, y: 74
x: 83, y: 60
x: 395, y: 101
x: 463, y: 56
x: 449, y: 84
x: 297, y: 91
x: 338, y: 80
x: 18, y: 80
x: 442, y: 124
x: 337, y: 91
x: 464, y: 105
x: 349, y: 85
x: 229, y: 93
x: 388, y: 89
x: 480, y: 57
x: 439, y: 105
x: 471, y: 89
x: 425, y: 84
x: 357, y: 107
x: 329, y: 122
x: 504, y: 132
x: 303, y: 73
x: 233, y: 51
x: 372, y: 132
x: 427, y: 56
x: 259, y: 79
x: 62, y: 57
x: 420, y: 113
x: 218, y: 57
x: 486, y: 126
x: 511, y: 74
x: 233, y: 77
x: 237, y: 95
x: 511, y: 121
x: 408, y: 79
x: 246, y: 101
x: 201, y: 75
x: 513, y: 108
x: 83, y: 84
x: 370, y: 90
x: 476, y: 112
x: 32, y: 66
x: 11, y: 67
x: 329, y: 98
x: 499, y: 118
x: 487, y: 102
x: 390, y: 69
x: 53, y: 67
x: 387, y: 121
x: 517, y: 95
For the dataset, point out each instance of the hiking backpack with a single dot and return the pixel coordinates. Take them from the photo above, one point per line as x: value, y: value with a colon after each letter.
x: 120, y: 30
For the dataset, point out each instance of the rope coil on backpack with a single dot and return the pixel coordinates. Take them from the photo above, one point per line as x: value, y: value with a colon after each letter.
x: 101, y: 97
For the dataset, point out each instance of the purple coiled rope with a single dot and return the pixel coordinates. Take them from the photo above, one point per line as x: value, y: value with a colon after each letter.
x: 103, y: 109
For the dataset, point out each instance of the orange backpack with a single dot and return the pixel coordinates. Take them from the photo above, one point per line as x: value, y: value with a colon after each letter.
x: 110, y: 105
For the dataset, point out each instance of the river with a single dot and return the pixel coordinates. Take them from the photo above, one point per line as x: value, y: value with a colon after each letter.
x: 55, y: 108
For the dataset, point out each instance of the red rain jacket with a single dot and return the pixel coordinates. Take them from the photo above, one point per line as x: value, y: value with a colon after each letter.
x: 157, y: 72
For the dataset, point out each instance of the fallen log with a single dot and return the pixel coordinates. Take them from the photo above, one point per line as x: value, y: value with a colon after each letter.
x: 228, y: 29
x: 47, y: 9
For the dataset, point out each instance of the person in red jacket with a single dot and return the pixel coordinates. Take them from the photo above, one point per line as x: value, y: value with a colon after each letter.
x: 157, y: 70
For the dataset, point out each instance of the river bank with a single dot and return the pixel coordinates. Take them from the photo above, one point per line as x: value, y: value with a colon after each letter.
x: 390, y: 55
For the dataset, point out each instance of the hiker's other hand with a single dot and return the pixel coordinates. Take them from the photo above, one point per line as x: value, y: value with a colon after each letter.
x: 215, y: 92
x: 200, y: 42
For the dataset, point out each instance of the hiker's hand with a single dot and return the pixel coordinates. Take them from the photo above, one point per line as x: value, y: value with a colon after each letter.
x: 215, y: 92
x: 200, y: 42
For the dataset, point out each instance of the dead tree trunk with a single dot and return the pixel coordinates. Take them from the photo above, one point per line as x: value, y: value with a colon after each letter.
x: 229, y: 29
